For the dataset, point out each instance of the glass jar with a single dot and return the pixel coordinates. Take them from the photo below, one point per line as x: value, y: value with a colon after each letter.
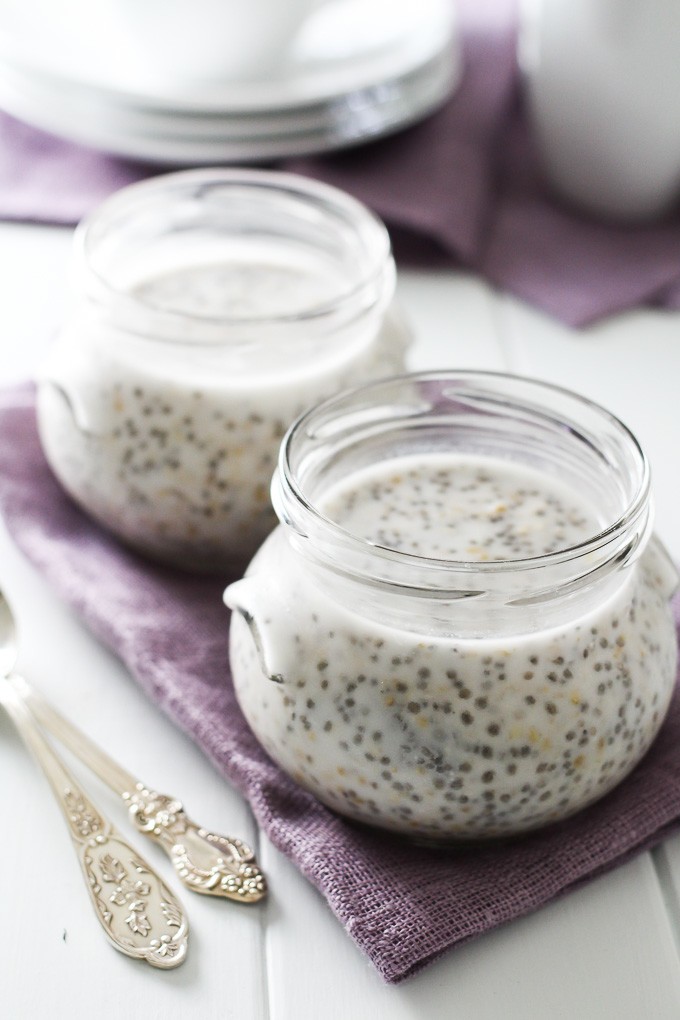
x: 212, y: 308
x: 461, y: 628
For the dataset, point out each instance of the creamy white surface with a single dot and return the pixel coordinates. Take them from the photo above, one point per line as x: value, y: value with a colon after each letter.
x: 460, y: 507
x: 240, y: 289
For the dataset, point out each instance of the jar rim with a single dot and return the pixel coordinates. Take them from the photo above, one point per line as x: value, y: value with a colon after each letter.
x: 297, y: 510
x: 371, y: 233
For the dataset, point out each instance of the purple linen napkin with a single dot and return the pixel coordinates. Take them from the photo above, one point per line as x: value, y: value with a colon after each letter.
x: 462, y: 187
x: 403, y: 905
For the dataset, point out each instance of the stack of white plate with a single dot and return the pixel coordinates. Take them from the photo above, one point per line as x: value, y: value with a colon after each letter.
x: 358, y: 70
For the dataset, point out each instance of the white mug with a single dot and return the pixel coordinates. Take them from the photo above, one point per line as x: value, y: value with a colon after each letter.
x: 212, y: 40
x: 603, y: 81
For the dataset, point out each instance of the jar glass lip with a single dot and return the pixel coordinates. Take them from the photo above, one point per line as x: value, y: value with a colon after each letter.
x: 369, y: 234
x: 296, y: 508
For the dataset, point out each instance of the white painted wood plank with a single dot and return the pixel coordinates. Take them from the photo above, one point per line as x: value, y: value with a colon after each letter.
x: 666, y: 860
x: 454, y: 319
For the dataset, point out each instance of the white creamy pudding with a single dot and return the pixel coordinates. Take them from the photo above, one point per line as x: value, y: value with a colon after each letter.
x: 458, y: 507
x: 248, y: 288
x: 439, y: 735
x: 216, y: 306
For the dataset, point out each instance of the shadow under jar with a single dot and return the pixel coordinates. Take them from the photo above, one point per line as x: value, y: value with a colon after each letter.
x: 461, y: 628
x: 212, y: 307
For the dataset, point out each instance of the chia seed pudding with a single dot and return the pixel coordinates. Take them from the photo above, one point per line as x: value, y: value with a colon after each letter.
x: 163, y: 401
x: 422, y: 728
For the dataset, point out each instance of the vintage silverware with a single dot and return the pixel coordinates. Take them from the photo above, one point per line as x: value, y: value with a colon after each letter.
x: 139, y: 914
x: 205, y: 861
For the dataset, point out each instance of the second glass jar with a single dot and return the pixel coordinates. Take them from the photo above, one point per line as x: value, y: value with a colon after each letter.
x: 212, y: 307
x: 461, y: 628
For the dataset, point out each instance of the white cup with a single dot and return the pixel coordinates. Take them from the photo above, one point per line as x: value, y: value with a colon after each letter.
x: 213, y: 40
x: 603, y: 80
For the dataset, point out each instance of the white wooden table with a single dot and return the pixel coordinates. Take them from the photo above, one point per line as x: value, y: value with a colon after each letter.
x: 608, y: 951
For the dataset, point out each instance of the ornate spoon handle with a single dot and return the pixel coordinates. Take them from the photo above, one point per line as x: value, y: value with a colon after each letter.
x: 205, y: 861
x: 138, y: 913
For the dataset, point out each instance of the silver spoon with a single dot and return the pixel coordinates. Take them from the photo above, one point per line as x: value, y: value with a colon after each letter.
x: 140, y: 916
x: 206, y: 862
